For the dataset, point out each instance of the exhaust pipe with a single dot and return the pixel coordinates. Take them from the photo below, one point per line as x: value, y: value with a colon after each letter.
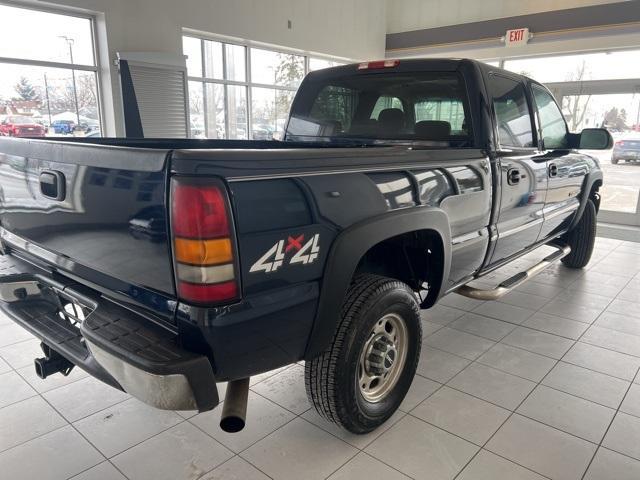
x: 51, y: 363
x: 234, y: 409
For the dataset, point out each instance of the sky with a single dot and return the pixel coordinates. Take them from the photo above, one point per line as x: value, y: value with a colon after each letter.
x: 34, y: 35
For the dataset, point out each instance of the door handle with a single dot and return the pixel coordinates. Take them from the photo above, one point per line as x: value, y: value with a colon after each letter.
x: 553, y: 170
x: 513, y: 176
x: 52, y: 184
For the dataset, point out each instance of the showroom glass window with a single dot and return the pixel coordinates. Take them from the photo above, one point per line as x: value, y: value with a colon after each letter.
x: 48, y: 70
x: 241, y: 92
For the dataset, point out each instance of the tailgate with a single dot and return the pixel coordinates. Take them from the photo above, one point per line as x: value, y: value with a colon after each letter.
x: 95, y: 212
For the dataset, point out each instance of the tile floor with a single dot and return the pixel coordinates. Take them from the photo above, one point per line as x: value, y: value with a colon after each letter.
x: 543, y: 384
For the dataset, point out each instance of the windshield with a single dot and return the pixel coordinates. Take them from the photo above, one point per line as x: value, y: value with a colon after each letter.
x: 428, y: 108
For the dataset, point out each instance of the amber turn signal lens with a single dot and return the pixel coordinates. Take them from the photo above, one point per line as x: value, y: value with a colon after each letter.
x: 203, y: 252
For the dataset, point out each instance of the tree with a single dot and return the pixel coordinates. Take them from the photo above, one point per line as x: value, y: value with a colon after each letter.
x: 26, y: 90
x: 615, y: 118
x: 63, y: 99
x: 577, y: 105
x: 289, y: 70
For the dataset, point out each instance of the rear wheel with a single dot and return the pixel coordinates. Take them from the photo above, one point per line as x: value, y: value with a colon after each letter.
x: 582, y: 238
x: 363, y: 376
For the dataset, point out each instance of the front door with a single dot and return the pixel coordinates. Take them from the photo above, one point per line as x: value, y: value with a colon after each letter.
x: 566, y: 168
x: 523, y: 173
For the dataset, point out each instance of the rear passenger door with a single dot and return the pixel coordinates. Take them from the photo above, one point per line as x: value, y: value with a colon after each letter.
x: 566, y: 168
x: 523, y: 175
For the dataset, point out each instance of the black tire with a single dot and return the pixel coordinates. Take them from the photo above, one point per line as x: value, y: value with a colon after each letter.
x: 332, y: 379
x: 582, y: 238
x: 614, y: 160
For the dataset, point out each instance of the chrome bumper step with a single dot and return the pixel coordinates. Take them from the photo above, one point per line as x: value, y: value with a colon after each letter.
x: 516, y: 280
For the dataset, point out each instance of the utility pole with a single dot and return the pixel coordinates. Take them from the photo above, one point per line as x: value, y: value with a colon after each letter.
x: 70, y: 41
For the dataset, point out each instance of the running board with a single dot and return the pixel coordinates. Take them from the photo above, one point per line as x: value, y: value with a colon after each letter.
x: 518, y: 279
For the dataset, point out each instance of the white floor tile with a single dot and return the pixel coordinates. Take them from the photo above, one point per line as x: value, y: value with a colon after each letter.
x: 365, y: 467
x: 286, y: 389
x: 538, y: 342
x: 459, y: 343
x: 518, y: 362
x: 13, y: 388
x: 235, y: 469
x: 27, y: 420
x: 416, y: 448
x: 83, y: 398
x: 310, y: 452
x: 603, y: 360
x: 124, y: 425
x: 608, y: 465
x: 543, y: 449
x: 587, y: 384
x: 488, y: 466
x: 624, y: 435
x: 497, y: 387
x: 182, y: 452
x: 420, y: 389
x: 555, y: 325
x: 438, y: 365
x: 631, y: 403
x: 103, y: 471
x: 613, y: 340
x: 468, y: 417
x: 568, y: 413
x: 483, y: 326
x: 57, y: 455
x: 504, y: 312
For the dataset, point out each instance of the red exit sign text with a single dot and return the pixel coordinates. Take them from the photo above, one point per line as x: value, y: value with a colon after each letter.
x: 517, y: 36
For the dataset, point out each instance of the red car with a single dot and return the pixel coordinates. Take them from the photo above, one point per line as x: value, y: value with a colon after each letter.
x: 21, y: 126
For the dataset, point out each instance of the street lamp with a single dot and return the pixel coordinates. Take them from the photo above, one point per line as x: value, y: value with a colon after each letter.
x: 70, y: 41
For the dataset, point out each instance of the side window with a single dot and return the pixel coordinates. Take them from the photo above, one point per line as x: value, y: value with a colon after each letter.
x: 554, y: 128
x: 512, y: 112
x: 447, y: 110
x: 383, y: 103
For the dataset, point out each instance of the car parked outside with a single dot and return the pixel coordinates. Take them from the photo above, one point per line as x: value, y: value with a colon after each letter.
x: 627, y: 149
x: 64, y: 127
x: 21, y: 126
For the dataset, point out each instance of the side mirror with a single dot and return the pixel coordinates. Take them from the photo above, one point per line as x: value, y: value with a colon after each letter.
x: 595, y: 139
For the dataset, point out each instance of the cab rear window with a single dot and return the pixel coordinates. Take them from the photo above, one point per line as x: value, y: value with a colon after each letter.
x: 428, y: 107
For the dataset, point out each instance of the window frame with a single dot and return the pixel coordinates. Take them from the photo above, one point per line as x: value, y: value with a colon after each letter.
x: 248, y: 84
x: 540, y: 129
x: 95, y: 68
x: 500, y: 148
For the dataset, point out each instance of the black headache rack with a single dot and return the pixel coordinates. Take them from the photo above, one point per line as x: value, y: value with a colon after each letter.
x: 115, y: 345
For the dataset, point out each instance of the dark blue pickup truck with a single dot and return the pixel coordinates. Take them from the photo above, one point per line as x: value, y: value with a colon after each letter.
x: 163, y: 266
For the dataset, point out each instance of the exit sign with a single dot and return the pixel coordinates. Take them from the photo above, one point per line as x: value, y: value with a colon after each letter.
x: 516, y: 37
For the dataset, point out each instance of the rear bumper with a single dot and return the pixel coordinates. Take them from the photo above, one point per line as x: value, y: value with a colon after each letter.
x: 626, y: 154
x: 117, y: 346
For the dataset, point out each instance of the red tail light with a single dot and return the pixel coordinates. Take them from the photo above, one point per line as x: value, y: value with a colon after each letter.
x: 378, y: 64
x: 203, y: 243
x: 620, y: 143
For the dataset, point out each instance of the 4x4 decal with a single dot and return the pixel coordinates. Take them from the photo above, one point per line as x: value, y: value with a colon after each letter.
x: 275, y: 257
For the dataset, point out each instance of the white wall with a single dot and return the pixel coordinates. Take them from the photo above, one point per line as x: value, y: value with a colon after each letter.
x: 407, y: 15
x: 353, y: 29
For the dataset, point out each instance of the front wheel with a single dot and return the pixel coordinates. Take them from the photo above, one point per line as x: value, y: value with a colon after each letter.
x: 360, y: 380
x: 582, y: 238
